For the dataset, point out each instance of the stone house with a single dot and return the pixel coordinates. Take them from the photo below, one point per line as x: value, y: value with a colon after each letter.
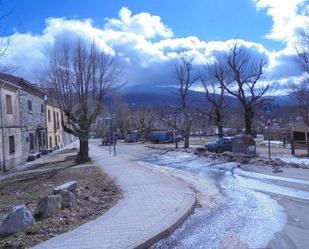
x: 11, y: 153
x: 32, y: 109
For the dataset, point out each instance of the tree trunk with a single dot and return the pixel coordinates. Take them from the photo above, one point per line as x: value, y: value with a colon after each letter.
x: 219, y: 123
x: 248, y: 121
x: 220, y: 130
x: 83, y: 155
x: 176, y: 139
x: 186, y: 140
x: 187, y: 131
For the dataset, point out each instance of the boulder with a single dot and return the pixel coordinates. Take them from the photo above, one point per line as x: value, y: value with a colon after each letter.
x: 16, y: 220
x: 79, y: 192
x: 48, y: 205
x: 68, y: 199
x: 68, y: 186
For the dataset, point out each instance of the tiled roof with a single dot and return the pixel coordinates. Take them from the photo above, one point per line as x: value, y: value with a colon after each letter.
x: 24, y: 84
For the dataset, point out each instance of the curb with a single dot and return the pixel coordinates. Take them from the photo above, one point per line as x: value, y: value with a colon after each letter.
x: 169, y: 230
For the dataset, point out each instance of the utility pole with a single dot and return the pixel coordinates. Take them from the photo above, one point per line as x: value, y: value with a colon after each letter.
x: 2, y: 131
x: 269, y: 123
x: 114, y: 137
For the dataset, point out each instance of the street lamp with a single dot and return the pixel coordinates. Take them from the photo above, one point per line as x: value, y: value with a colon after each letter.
x: 111, y: 133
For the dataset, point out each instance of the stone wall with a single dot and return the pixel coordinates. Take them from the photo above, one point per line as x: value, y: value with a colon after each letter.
x: 32, y: 121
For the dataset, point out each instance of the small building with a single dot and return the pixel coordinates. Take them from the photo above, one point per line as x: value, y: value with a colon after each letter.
x: 299, y: 137
x: 11, y: 153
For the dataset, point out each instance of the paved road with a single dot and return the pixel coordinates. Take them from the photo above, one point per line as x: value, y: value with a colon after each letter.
x: 261, y: 209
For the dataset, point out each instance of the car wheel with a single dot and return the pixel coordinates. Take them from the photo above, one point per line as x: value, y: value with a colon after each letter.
x: 219, y: 150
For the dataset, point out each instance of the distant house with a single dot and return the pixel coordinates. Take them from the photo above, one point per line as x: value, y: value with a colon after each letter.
x: 54, y: 126
x: 57, y: 138
x: 11, y: 153
x: 32, y: 116
x: 299, y: 137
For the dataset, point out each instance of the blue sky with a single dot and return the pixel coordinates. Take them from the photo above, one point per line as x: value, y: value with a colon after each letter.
x: 208, y: 20
x: 146, y: 36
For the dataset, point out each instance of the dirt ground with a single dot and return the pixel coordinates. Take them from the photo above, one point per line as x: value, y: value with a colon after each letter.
x: 99, y: 194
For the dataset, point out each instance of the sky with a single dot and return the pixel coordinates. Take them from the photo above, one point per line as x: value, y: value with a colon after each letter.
x: 146, y: 36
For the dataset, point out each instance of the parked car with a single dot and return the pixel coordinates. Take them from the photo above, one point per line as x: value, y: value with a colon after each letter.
x: 220, y: 145
x: 161, y: 136
x: 131, y: 138
x: 107, y: 139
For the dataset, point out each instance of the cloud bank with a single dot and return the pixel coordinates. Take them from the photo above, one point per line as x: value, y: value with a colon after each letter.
x: 145, y: 47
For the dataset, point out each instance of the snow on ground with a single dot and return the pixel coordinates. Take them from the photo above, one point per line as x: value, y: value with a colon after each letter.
x: 248, y: 216
x: 294, y: 159
x: 269, y: 177
x: 271, y: 188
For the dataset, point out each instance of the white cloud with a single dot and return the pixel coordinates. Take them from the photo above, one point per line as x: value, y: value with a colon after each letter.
x: 287, y: 15
x: 143, y: 59
x: 142, y: 24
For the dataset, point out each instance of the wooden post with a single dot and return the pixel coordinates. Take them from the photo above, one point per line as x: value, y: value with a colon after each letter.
x: 292, y: 146
x: 307, y: 141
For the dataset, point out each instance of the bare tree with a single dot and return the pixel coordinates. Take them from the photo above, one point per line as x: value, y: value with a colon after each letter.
x: 212, y: 80
x: 300, y: 92
x: 81, y: 76
x: 245, y: 72
x: 147, y: 120
x: 123, y: 120
x: 302, y: 50
x: 185, y: 77
x: 171, y: 118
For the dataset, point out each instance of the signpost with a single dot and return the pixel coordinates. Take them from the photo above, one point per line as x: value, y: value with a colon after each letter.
x: 268, y: 123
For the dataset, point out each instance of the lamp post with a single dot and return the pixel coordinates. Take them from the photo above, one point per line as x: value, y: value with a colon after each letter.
x: 111, y: 134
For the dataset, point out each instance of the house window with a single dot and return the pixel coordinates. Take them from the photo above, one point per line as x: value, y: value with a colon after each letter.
x: 9, y: 108
x: 50, y: 142
x: 58, y: 126
x: 11, y: 145
x: 43, y: 139
x: 48, y: 112
x: 42, y: 108
x: 55, y: 123
x: 29, y: 106
x: 31, y: 139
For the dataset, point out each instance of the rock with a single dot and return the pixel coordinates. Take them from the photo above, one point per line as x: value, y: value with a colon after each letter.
x: 16, y: 220
x: 93, y: 199
x: 48, y: 205
x: 276, y: 170
x: 68, y: 186
x: 68, y: 199
x: 79, y: 192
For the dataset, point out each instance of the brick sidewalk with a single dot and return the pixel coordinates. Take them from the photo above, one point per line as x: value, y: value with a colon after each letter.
x: 153, y: 205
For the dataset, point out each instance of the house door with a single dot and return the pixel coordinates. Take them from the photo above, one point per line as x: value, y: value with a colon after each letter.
x: 31, y: 141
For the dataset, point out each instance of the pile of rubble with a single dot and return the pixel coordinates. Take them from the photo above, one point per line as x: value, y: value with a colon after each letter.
x: 19, y: 218
x: 246, y: 159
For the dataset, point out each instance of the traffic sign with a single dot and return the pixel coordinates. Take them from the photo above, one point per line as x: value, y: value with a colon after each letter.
x: 269, y: 122
x: 267, y: 109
